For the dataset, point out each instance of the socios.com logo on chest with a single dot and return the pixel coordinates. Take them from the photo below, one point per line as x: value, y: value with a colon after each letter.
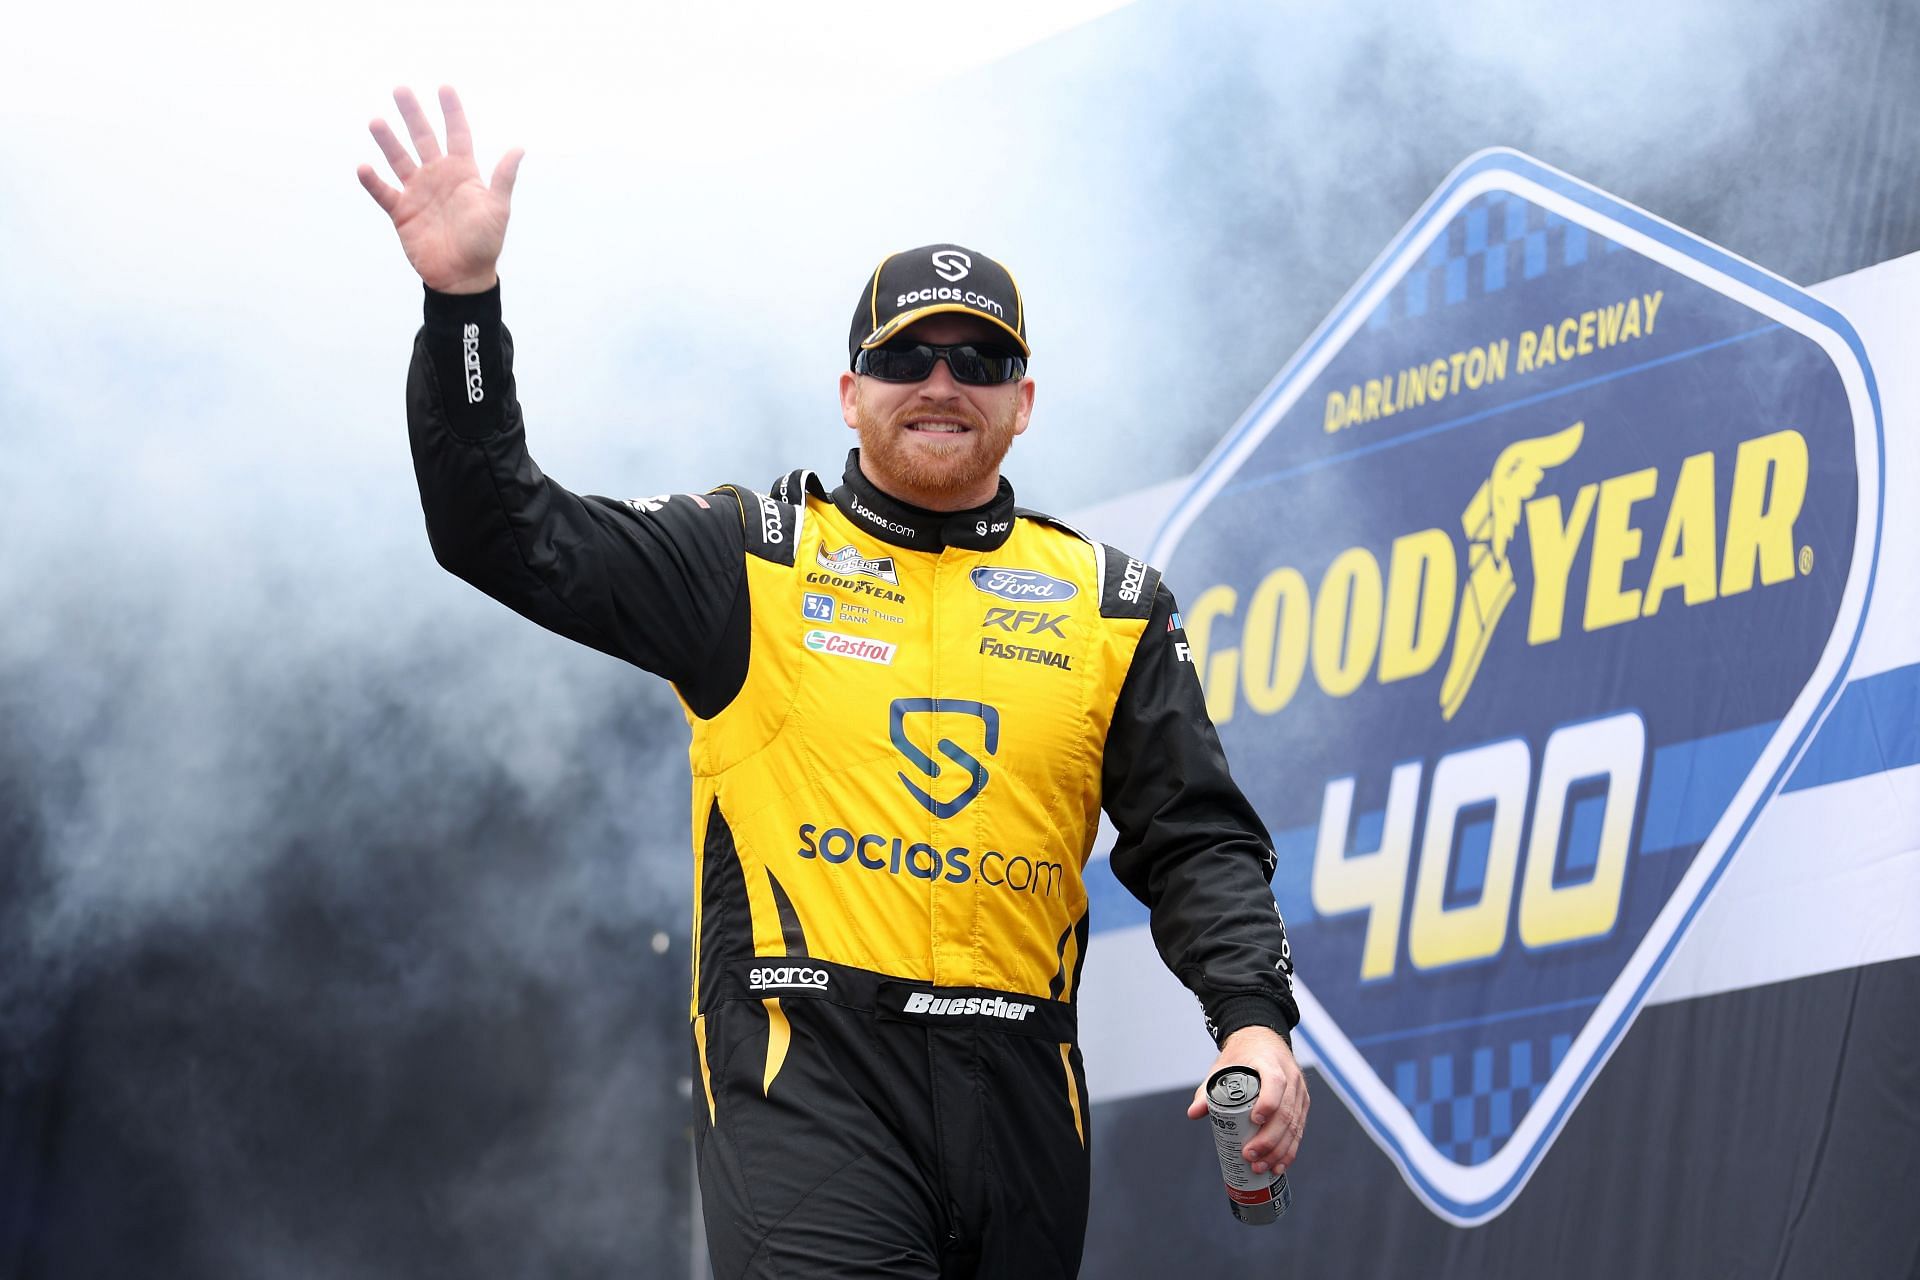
x: 1514, y: 599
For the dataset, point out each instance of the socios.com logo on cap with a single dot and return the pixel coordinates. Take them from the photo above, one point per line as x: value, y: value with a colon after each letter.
x: 1567, y: 525
x: 951, y: 264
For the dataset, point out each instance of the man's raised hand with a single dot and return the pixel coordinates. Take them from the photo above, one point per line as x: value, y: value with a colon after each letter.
x: 451, y: 224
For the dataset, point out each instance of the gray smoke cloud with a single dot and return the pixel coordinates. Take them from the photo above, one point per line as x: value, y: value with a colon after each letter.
x: 330, y: 888
x: 1223, y: 172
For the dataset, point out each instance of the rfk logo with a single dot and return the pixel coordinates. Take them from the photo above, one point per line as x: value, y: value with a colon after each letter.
x: 1566, y: 522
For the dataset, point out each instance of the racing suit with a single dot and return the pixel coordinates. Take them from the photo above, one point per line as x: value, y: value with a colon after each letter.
x: 904, y: 726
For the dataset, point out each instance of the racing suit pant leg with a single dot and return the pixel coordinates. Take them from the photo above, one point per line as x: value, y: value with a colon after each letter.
x: 813, y: 1163
x: 1013, y: 1116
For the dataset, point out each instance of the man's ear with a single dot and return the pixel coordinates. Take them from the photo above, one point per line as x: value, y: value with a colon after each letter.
x: 1023, y: 412
x: 849, y: 393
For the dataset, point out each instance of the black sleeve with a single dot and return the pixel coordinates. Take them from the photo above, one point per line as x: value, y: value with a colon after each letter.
x: 660, y: 583
x: 1190, y: 845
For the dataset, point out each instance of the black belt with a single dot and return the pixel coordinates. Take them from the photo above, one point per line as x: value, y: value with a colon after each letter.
x: 898, y: 999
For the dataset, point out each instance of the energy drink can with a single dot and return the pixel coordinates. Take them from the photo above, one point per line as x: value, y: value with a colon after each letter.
x: 1255, y: 1198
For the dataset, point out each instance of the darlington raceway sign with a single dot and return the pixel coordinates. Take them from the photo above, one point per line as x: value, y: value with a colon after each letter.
x: 1515, y: 597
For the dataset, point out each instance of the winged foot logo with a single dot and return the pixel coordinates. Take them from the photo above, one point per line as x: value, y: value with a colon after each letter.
x: 1509, y: 673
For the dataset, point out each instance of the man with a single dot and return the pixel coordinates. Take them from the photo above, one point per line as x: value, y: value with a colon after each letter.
x: 908, y: 701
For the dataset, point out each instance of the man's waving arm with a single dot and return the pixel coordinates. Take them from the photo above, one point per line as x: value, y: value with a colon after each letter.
x: 657, y: 582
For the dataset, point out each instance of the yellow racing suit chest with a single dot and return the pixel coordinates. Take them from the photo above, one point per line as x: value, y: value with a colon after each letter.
x: 908, y: 780
x: 903, y: 722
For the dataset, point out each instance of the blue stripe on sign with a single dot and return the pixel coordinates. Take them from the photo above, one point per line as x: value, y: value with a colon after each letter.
x: 1113, y: 907
x: 1693, y: 783
x: 1479, y: 1020
x: 1874, y: 726
x: 1293, y: 851
x: 1109, y: 904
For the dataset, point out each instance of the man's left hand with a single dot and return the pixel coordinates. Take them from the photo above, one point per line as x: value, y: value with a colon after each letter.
x: 1281, y: 1109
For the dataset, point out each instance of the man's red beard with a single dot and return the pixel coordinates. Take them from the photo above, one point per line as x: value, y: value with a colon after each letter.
x: 932, y: 469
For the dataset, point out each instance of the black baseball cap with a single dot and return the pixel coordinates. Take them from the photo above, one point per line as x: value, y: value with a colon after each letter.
x: 935, y: 278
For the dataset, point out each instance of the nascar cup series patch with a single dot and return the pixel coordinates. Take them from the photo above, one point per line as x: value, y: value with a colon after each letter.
x: 1515, y: 597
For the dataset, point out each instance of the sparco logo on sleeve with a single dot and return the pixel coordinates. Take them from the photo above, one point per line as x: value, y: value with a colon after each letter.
x: 929, y: 1005
x: 770, y: 531
x: 1131, y: 581
x: 1553, y: 585
x: 762, y: 977
x: 1022, y: 584
x: 470, y: 352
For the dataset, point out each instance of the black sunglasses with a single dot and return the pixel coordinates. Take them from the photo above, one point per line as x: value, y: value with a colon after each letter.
x: 973, y: 363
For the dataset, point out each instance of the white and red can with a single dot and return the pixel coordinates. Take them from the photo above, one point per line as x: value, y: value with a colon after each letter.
x: 1255, y: 1198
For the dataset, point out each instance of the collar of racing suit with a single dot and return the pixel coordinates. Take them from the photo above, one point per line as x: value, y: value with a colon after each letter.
x: 980, y: 528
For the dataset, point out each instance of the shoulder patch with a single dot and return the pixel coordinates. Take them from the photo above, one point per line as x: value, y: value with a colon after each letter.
x: 1041, y: 517
x: 1127, y: 584
x: 772, y: 528
x: 794, y: 487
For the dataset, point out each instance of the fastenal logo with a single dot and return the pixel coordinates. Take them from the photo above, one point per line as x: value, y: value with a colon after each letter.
x: 1567, y: 527
x: 1040, y: 656
x: 946, y: 713
x: 951, y: 265
x: 1023, y: 584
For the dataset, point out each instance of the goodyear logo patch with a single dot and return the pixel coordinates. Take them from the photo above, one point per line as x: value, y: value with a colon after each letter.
x: 1514, y: 598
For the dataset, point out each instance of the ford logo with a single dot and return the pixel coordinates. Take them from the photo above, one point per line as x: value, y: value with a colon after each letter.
x: 1022, y: 584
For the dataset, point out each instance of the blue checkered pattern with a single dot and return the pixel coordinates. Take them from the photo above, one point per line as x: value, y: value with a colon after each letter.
x: 1469, y: 1103
x: 1497, y: 239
